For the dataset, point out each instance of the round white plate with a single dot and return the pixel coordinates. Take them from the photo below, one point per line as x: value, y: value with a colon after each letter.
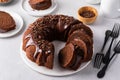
x: 27, y: 8
x: 57, y: 70
x: 19, y: 24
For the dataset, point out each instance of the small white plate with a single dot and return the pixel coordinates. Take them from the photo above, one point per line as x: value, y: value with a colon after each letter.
x: 27, y: 8
x: 19, y: 24
x: 57, y: 70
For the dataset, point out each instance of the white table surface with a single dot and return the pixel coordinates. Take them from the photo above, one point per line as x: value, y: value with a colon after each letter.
x: 12, y: 66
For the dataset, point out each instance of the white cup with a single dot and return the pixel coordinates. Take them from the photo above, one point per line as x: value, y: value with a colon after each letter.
x: 93, y: 1
x: 110, y: 8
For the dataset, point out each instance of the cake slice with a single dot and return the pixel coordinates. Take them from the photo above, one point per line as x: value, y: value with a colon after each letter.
x: 7, y: 23
x: 40, y: 4
x: 78, y: 34
x: 66, y: 56
x: 73, y: 54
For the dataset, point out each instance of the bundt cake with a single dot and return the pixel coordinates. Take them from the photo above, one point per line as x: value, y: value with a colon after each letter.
x: 38, y: 46
x: 40, y: 4
x: 7, y: 23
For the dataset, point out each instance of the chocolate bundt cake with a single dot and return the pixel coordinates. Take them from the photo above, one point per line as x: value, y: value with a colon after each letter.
x: 40, y: 4
x: 37, y: 41
x: 7, y: 23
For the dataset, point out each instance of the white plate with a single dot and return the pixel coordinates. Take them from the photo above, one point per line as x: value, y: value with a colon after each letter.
x: 27, y: 8
x: 57, y: 70
x: 19, y: 24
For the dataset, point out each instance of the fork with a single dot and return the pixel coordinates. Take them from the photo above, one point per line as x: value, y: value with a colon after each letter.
x: 99, y: 56
x: 102, y: 72
x: 114, y: 35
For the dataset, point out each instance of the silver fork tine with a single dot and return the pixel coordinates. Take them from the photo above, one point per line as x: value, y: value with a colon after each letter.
x: 118, y: 28
x: 113, y: 28
x: 96, y: 64
x: 117, y: 32
x: 96, y: 59
x: 118, y: 45
x: 99, y: 60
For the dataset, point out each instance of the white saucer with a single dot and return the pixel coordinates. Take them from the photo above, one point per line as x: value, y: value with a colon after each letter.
x: 19, y: 24
x: 27, y: 8
x: 57, y: 70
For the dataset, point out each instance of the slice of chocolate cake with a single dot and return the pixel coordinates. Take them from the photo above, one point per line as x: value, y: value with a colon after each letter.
x: 66, y: 56
x: 7, y: 23
x: 73, y: 54
x: 80, y: 50
x: 45, y: 56
x: 40, y: 4
x: 81, y: 27
x: 88, y: 41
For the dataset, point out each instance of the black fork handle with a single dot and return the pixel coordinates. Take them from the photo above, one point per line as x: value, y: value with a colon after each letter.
x: 101, y: 73
x: 107, y: 56
x: 105, y: 41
